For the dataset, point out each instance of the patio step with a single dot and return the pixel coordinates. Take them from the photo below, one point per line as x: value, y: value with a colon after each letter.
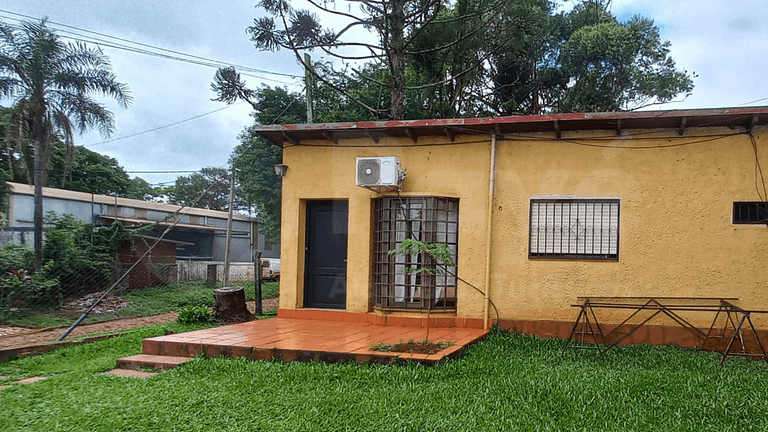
x: 159, y: 362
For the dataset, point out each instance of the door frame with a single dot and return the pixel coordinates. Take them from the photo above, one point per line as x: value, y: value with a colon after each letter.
x: 307, y: 204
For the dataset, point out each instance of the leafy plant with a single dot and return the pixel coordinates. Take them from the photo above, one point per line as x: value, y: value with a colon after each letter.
x: 194, y: 314
x: 439, y: 252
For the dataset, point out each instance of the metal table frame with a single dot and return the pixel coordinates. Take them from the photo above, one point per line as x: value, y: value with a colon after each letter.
x: 588, y: 327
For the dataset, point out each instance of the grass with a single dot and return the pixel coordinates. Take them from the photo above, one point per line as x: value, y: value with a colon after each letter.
x: 507, y: 382
x: 149, y: 301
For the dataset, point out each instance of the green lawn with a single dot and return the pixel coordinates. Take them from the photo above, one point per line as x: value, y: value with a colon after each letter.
x: 150, y: 301
x: 507, y: 382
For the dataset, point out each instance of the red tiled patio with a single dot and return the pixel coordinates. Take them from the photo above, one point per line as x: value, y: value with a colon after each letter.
x: 299, y: 340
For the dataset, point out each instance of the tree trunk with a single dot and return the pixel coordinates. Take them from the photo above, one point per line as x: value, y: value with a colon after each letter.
x: 230, y: 303
x: 38, y: 179
x: 397, y: 60
x: 38, y: 176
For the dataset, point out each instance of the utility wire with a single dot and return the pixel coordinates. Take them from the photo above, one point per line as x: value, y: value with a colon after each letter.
x: 162, y: 172
x: 756, y: 100
x: 100, y: 42
x: 161, y: 127
x: 221, y: 63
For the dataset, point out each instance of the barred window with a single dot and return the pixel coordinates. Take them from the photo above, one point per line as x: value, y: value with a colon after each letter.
x: 428, y: 219
x: 574, y: 228
x: 751, y: 213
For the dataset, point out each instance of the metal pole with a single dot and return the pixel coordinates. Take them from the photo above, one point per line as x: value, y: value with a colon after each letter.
x: 257, y: 284
x: 227, y: 256
x: 491, y: 182
x: 308, y: 80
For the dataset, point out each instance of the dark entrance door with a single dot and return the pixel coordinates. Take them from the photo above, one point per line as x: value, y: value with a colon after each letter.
x: 325, y: 280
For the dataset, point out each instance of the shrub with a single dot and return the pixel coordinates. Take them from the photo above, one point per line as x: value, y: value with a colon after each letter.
x: 194, y: 314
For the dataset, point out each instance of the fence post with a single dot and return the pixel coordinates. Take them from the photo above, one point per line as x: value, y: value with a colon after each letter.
x: 211, y: 275
x: 257, y: 282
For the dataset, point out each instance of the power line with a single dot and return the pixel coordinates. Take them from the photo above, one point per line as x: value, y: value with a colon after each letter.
x: 756, y: 100
x: 161, y: 127
x: 101, y: 42
x: 162, y: 172
x: 203, y: 61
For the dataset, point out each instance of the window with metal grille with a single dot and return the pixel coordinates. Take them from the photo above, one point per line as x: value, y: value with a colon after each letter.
x: 574, y: 228
x: 428, y: 219
x: 750, y: 212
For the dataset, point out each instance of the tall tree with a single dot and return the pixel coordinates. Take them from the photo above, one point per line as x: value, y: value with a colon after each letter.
x: 52, y: 84
x: 139, y: 189
x: 84, y: 170
x: 397, y: 25
x: 210, y: 185
x: 586, y: 60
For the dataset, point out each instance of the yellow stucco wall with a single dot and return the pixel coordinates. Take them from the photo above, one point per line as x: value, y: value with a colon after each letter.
x: 676, y: 235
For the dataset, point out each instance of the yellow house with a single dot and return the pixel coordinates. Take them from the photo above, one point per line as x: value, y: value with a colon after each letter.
x: 537, y: 210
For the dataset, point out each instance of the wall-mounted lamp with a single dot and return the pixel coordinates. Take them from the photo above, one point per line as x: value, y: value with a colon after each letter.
x: 280, y: 170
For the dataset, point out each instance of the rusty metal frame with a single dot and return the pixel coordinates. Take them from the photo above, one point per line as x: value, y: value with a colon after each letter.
x: 659, y: 305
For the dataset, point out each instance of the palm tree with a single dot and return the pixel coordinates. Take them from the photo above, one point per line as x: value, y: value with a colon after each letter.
x: 52, y: 84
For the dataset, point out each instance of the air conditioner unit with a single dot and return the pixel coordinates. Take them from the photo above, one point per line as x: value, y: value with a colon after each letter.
x: 379, y: 171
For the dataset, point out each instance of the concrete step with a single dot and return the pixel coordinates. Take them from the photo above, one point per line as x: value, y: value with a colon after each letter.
x: 130, y: 373
x: 151, y: 361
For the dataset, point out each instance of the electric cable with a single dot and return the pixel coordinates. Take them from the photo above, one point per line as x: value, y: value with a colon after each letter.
x: 161, y: 127
x: 116, y: 45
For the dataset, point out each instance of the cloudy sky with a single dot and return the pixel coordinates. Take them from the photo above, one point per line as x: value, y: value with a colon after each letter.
x: 724, y: 43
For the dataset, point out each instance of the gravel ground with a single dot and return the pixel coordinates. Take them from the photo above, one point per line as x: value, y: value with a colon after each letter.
x: 12, y: 337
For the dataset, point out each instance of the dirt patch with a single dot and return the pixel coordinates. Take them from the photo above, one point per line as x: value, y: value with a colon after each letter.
x: 74, y: 307
x: 413, y: 347
x: 39, y: 336
x: 12, y: 337
x: 266, y: 305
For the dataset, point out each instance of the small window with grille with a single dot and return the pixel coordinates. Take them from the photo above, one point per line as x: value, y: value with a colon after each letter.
x: 574, y: 228
x: 750, y: 212
x: 428, y: 219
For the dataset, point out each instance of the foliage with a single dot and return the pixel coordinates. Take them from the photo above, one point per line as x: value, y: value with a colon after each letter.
x: 17, y: 289
x: 76, y: 168
x: 505, y: 382
x: 255, y: 157
x: 440, y: 252
x: 471, y: 58
x: 193, y: 314
x: 140, y: 189
x: 210, y: 185
x: 586, y: 60
x: 51, y: 84
x: 78, y: 257
x: 400, y: 28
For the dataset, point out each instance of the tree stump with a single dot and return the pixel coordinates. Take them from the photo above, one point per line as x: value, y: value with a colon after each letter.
x: 230, y: 302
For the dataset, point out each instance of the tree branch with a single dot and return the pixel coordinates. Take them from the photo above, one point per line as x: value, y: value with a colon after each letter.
x: 333, y: 11
x: 321, y: 78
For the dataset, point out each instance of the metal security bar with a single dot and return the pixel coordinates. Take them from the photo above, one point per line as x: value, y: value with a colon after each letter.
x: 429, y: 219
x: 754, y: 212
x: 574, y: 228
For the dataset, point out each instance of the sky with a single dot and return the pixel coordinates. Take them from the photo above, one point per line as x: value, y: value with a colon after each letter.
x: 723, y: 42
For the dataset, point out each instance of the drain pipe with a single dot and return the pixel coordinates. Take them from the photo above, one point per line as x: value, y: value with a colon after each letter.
x: 486, y: 306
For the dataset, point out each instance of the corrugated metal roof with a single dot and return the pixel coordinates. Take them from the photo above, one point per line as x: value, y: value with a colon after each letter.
x: 134, y: 222
x: 65, y: 194
x: 554, y: 123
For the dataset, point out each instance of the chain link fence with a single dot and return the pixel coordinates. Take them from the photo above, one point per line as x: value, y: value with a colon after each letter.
x: 67, y: 289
